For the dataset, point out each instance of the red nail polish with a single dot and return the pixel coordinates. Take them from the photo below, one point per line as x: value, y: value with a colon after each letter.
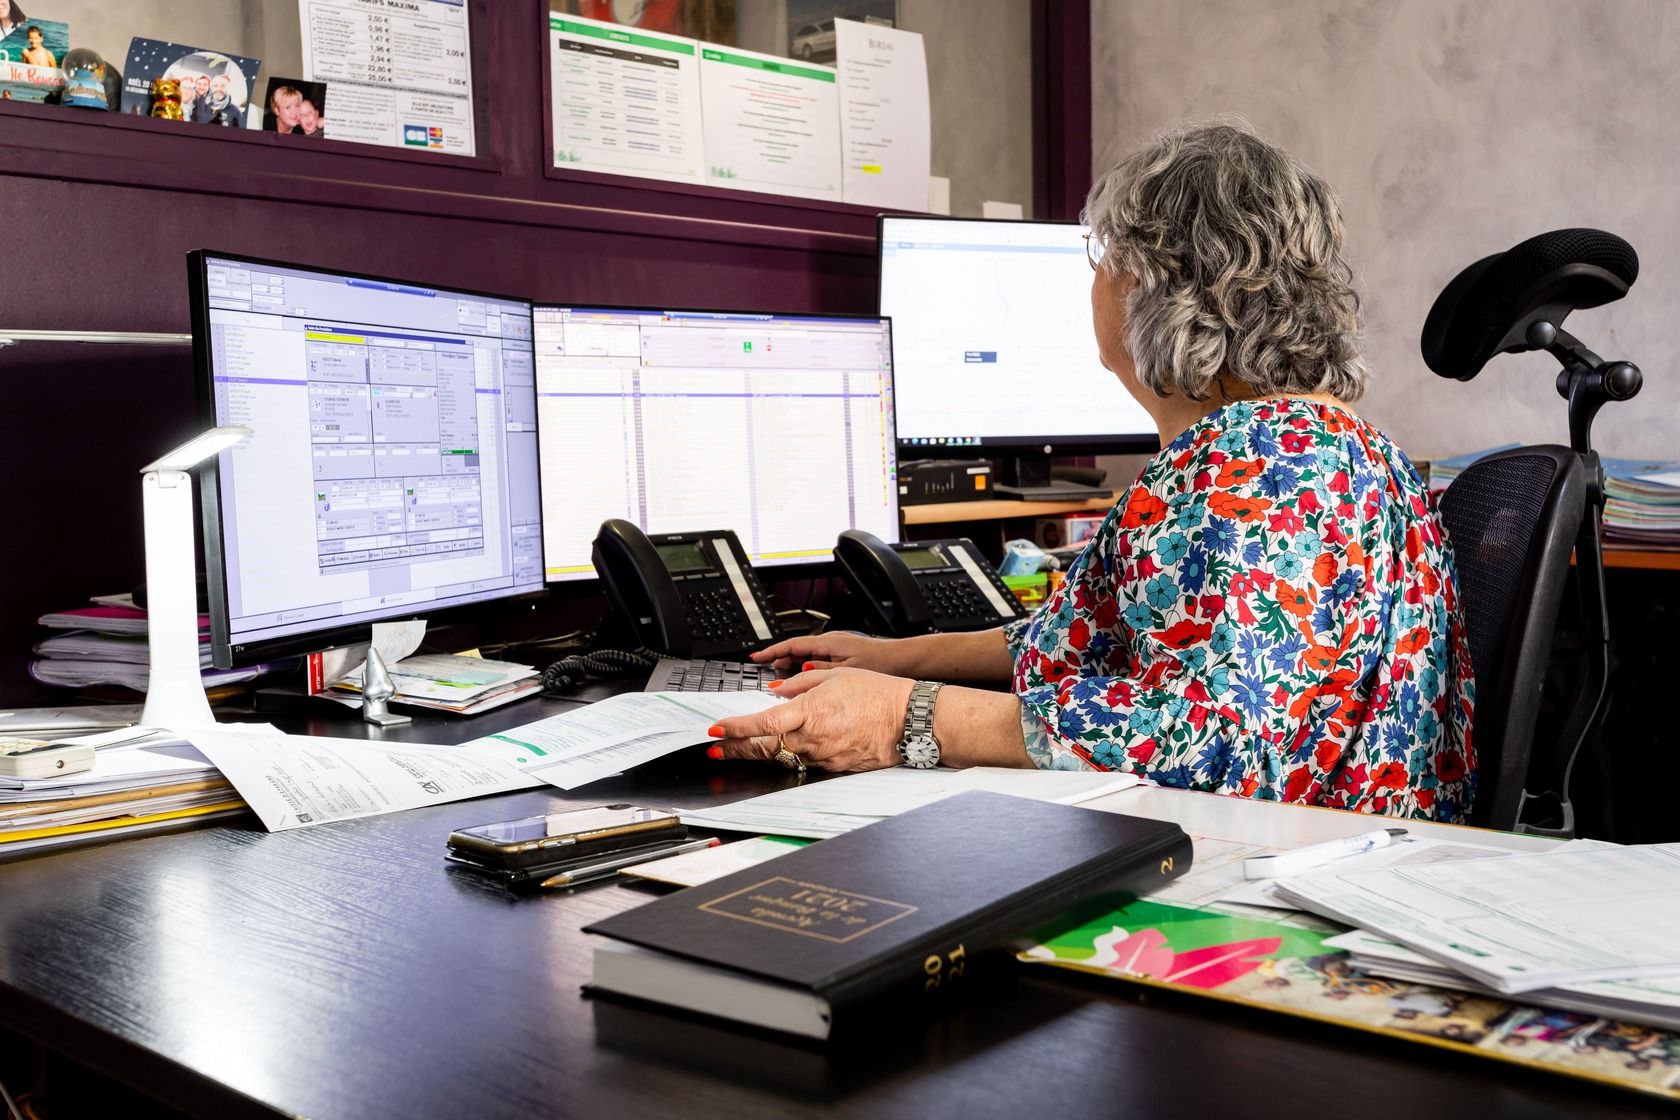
x: 808, y: 666
x: 776, y: 684
x: 714, y: 751
x: 715, y: 731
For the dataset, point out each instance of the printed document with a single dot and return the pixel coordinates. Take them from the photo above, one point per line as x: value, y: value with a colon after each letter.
x: 1524, y: 922
x: 885, y: 131
x: 829, y: 808
x: 598, y: 740
x: 770, y: 124
x: 295, y: 780
x: 398, y: 74
x: 625, y: 102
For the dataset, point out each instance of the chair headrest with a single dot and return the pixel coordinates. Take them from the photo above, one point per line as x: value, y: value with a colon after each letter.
x: 1488, y: 307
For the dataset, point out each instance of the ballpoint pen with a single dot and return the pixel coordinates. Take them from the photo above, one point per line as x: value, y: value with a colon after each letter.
x: 609, y: 867
x: 1315, y: 855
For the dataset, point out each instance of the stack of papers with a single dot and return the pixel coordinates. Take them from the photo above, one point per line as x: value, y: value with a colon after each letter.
x: 106, y: 645
x: 143, y: 784
x: 1523, y: 923
x: 1642, y: 497
x: 825, y: 809
x: 450, y: 683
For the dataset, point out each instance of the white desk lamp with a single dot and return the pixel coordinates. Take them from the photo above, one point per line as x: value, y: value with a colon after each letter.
x: 175, y: 689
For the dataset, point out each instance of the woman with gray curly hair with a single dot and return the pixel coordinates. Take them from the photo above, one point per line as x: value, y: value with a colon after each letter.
x: 1270, y: 611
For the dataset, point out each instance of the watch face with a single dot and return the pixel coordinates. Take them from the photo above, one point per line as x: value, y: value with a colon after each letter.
x: 920, y: 752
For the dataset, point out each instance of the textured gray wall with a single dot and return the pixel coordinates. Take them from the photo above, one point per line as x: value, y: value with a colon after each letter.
x: 1451, y: 129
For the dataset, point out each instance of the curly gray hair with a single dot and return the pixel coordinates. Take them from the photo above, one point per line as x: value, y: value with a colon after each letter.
x: 1236, y: 248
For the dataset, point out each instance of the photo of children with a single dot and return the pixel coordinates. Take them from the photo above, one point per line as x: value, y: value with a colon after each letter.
x: 31, y: 51
x: 295, y: 107
x: 215, y: 87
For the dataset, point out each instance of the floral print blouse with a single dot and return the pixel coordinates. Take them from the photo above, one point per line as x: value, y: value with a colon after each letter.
x: 1270, y: 611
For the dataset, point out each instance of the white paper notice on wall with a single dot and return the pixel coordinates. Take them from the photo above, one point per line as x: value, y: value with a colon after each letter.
x: 1009, y: 211
x: 398, y: 74
x: 885, y: 128
x: 625, y: 102
x: 770, y: 124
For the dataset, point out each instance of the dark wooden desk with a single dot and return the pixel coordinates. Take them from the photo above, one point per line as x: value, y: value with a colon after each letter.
x: 344, y: 971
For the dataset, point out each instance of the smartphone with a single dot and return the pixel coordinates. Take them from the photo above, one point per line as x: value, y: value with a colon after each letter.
x: 575, y: 834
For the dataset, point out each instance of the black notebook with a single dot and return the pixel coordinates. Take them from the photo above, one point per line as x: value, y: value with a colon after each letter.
x: 912, y: 907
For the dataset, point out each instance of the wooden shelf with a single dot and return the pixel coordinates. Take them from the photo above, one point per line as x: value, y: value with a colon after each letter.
x: 1649, y: 559
x: 943, y: 512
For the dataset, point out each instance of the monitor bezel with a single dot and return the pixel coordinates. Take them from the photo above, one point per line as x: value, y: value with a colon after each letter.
x: 998, y: 446
x: 225, y: 653
x: 769, y: 573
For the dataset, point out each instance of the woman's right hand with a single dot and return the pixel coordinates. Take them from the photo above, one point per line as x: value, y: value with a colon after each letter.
x: 841, y: 649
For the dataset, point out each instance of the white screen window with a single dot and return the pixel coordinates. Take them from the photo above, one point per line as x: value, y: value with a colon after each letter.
x: 777, y: 427
x: 392, y: 466
x: 992, y: 335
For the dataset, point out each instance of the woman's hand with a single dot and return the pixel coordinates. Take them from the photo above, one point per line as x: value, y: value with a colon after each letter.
x: 837, y: 650
x: 834, y: 719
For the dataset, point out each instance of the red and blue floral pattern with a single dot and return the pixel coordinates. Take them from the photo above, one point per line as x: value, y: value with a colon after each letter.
x: 1270, y: 611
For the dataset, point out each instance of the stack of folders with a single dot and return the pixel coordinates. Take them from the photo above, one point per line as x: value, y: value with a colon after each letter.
x: 135, y: 785
x: 1587, y: 927
x: 105, y: 644
x: 451, y: 683
x: 898, y: 913
x: 1642, y: 497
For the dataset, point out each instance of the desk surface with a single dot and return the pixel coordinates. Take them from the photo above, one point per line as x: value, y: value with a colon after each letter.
x: 345, y: 971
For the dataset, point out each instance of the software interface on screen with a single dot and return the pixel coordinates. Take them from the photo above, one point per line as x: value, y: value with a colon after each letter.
x: 393, y: 462
x: 992, y: 335
x: 779, y: 428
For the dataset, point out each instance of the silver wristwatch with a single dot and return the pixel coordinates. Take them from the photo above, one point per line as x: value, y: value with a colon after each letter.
x: 918, y: 748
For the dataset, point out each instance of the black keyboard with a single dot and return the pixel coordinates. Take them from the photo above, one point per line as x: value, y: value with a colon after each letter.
x: 700, y: 675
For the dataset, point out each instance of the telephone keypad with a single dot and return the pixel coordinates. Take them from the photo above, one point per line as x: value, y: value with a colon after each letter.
x: 714, y: 613
x: 954, y: 597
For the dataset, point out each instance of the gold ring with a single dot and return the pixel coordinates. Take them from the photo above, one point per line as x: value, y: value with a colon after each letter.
x: 786, y: 757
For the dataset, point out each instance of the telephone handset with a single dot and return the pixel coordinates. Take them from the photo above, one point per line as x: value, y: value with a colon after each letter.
x: 685, y: 594
x: 919, y: 586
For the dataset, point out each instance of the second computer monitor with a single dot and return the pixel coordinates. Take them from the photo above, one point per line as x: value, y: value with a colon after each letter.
x: 779, y: 427
x: 993, y: 338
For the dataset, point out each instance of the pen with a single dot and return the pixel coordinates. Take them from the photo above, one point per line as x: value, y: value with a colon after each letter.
x: 1316, y: 855
x: 609, y: 867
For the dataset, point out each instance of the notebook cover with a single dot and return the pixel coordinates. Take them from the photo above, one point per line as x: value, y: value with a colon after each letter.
x: 911, y: 904
x: 1285, y: 966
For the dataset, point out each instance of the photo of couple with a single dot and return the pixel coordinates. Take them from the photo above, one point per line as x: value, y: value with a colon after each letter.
x: 296, y: 108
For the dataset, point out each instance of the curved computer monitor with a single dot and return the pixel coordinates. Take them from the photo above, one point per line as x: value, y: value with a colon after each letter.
x: 992, y: 342
x: 392, y: 466
x: 778, y: 427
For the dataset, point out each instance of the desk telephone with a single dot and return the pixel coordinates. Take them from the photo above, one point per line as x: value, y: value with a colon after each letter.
x: 919, y: 586
x: 686, y: 594
x: 695, y: 595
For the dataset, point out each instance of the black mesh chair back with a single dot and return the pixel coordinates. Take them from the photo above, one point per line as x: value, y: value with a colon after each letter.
x: 1511, y: 519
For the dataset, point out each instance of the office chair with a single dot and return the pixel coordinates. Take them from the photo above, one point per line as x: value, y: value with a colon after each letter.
x: 1512, y: 519
x: 1507, y: 303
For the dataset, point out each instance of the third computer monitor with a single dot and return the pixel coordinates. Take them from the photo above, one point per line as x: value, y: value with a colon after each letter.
x: 779, y: 427
x: 992, y: 338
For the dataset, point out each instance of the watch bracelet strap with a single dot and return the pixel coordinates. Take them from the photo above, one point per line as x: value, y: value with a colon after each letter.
x: 923, y: 696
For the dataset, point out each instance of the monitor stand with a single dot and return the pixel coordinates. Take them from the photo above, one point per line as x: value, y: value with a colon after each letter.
x: 1027, y: 478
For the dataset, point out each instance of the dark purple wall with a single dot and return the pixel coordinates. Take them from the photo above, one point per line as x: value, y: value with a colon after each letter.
x: 103, y: 210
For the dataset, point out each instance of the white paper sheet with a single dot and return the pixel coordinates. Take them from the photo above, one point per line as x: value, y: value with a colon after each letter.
x: 693, y: 868
x: 625, y: 102
x: 829, y: 808
x: 770, y: 124
x: 1524, y: 922
x: 1415, y: 852
x: 295, y: 780
x: 885, y: 127
x: 597, y: 740
x: 398, y: 75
